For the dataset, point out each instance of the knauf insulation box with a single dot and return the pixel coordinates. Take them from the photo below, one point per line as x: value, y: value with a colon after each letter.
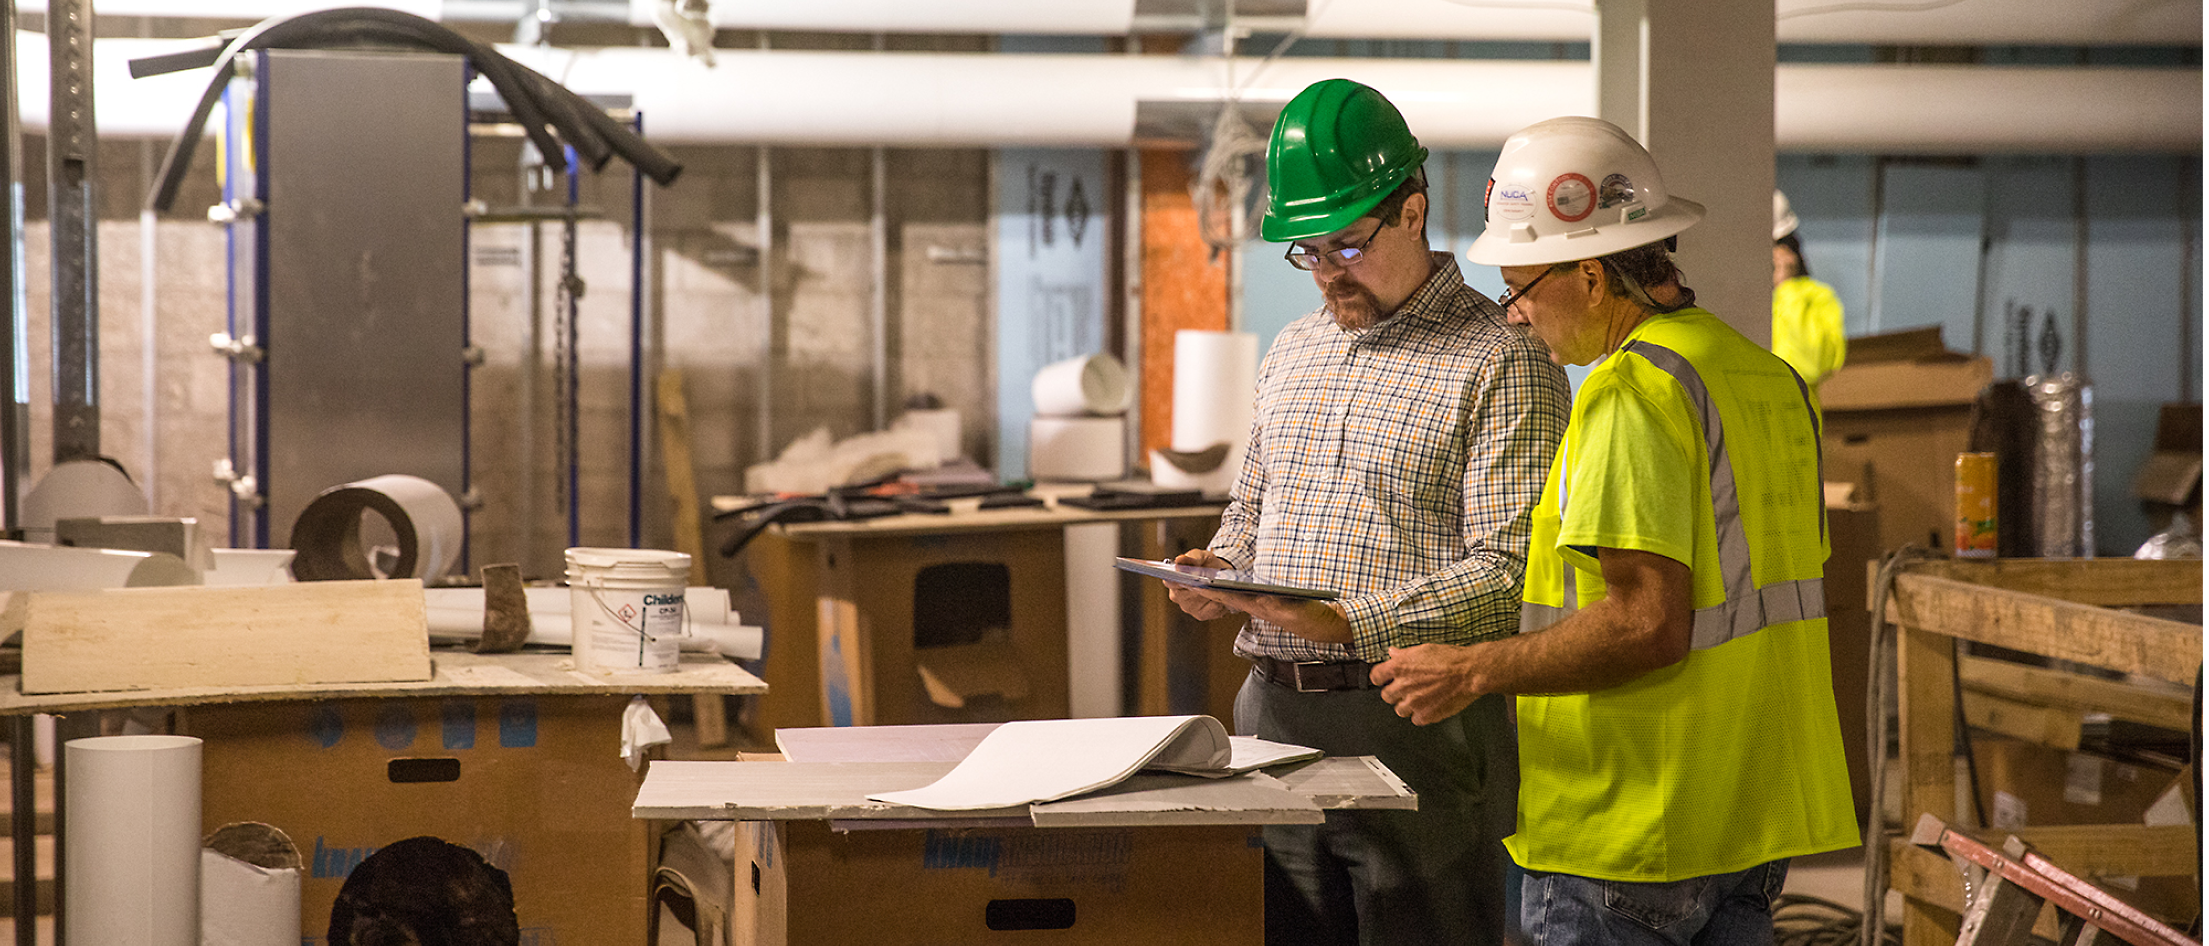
x: 802, y: 882
x: 535, y: 784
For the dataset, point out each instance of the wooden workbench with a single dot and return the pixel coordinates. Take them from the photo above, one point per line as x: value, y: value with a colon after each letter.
x: 841, y: 614
x: 517, y: 755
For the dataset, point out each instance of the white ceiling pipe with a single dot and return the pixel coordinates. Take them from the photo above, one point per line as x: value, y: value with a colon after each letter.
x: 1089, y: 101
x: 236, y: 9
x: 1040, y: 100
x: 1001, y: 100
x: 154, y: 107
x: 1942, y: 109
x: 1961, y: 23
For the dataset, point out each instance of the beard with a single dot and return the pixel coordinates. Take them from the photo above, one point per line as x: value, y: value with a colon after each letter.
x: 1354, y: 307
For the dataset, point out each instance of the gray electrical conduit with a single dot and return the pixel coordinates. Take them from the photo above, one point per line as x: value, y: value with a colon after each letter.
x: 540, y: 105
x: 1879, y: 680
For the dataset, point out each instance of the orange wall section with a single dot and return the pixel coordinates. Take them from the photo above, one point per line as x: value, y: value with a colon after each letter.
x: 1183, y: 288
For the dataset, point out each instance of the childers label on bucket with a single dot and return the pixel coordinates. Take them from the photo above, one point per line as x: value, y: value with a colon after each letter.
x: 628, y: 608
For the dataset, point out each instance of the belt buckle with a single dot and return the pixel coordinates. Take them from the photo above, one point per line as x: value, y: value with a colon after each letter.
x: 1296, y: 674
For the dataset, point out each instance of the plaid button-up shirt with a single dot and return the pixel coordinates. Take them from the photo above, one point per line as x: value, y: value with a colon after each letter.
x: 1398, y: 466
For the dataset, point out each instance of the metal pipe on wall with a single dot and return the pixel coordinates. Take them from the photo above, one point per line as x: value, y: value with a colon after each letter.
x: 72, y: 148
x: 878, y: 303
x: 15, y: 407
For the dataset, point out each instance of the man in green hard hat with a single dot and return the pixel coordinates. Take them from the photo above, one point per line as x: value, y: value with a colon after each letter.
x: 1401, y: 436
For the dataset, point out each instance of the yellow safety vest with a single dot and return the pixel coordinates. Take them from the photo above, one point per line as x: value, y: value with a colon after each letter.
x: 1693, y: 443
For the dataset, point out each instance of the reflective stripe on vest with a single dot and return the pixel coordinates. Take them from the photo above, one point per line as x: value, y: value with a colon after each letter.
x: 1747, y: 608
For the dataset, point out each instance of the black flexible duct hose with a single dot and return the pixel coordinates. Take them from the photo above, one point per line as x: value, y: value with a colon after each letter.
x: 548, y: 112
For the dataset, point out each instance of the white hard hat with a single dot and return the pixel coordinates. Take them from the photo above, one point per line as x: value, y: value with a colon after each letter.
x: 1784, y: 220
x: 1575, y: 188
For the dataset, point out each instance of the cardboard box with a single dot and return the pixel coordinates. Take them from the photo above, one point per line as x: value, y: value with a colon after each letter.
x: 1853, y: 533
x: 1895, y: 417
x: 534, y: 784
x: 2169, y: 481
x: 2023, y: 784
x: 806, y: 883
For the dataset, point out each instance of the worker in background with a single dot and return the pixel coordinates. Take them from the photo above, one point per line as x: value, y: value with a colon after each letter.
x: 1807, y: 330
x: 1401, y: 435
x: 1677, y: 736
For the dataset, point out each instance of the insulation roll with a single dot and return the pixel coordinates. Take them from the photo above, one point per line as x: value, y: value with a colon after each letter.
x: 422, y: 515
x: 1090, y: 384
x: 1082, y: 449
x: 133, y: 841
x: 1215, y: 385
x: 2063, y: 466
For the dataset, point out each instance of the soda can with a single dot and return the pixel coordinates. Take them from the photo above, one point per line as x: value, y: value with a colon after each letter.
x: 1975, y: 505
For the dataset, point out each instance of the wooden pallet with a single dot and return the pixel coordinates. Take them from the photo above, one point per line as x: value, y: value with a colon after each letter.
x: 2066, y: 609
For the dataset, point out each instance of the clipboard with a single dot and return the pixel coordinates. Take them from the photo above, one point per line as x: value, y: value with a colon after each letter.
x: 1223, y: 579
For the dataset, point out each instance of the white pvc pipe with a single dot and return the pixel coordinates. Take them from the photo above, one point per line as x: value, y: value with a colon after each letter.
x: 867, y: 99
x: 1921, y: 109
x: 133, y: 838
x: 1966, y: 23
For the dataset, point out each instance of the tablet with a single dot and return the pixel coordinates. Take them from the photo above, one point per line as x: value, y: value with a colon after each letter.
x: 1224, y: 579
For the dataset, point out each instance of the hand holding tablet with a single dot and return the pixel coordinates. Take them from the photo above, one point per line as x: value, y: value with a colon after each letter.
x: 1236, y: 580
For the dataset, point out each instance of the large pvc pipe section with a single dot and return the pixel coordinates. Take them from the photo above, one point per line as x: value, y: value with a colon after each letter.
x: 1054, y: 100
x: 1983, y: 23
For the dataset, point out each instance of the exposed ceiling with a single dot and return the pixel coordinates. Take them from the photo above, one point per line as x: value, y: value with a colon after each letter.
x: 779, y: 96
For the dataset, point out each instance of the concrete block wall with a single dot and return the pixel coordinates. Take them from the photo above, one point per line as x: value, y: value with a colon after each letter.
x: 705, y: 313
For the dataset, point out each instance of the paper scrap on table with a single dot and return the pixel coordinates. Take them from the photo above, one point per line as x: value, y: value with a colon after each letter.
x: 1048, y: 759
x: 641, y: 729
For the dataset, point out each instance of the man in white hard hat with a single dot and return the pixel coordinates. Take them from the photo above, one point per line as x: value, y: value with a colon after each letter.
x: 1678, y: 740
x: 1807, y: 326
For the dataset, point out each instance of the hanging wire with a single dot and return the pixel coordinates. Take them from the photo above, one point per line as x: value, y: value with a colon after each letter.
x: 1230, y: 181
x: 1229, y: 189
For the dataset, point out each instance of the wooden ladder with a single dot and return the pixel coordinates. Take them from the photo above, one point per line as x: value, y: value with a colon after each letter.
x: 2013, y: 882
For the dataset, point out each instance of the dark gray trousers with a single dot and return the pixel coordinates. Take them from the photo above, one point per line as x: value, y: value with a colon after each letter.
x: 1381, y: 878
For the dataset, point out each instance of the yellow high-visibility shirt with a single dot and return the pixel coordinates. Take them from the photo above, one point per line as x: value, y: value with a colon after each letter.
x: 1692, y: 443
x: 1807, y: 328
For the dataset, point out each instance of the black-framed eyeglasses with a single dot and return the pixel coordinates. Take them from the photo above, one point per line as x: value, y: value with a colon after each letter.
x: 1307, y: 259
x: 1511, y: 295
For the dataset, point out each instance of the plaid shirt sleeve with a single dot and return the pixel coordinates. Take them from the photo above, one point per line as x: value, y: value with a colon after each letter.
x: 1516, y: 417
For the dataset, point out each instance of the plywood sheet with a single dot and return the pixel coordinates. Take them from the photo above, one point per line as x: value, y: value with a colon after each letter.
x: 296, y: 634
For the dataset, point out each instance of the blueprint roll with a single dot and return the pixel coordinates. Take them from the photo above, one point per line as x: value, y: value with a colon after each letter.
x: 1215, y: 383
x: 422, y: 515
x: 133, y: 841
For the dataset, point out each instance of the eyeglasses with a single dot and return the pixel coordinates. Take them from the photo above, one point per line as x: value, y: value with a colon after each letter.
x: 1511, y: 295
x: 1308, y: 259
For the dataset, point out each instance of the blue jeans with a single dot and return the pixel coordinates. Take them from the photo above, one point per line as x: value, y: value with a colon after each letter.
x: 1718, y: 910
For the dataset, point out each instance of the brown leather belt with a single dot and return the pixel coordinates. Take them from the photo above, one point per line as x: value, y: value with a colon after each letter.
x: 1316, y: 676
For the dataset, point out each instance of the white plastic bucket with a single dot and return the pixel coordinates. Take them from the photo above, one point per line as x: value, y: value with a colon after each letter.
x: 628, y: 608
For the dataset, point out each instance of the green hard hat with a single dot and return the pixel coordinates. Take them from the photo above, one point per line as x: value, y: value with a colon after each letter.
x: 1338, y: 149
